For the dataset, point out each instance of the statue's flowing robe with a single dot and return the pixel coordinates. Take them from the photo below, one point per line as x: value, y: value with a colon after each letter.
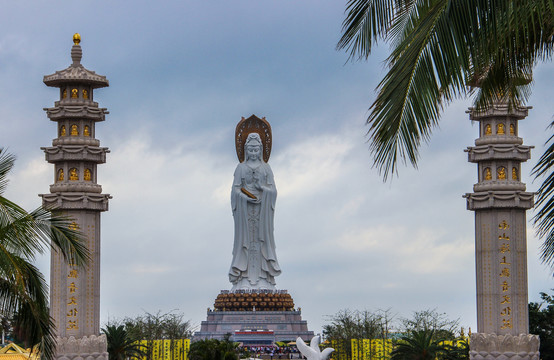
x: 240, y: 266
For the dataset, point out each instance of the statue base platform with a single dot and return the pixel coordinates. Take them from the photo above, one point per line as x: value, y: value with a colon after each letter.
x: 88, y: 347
x: 503, y: 347
x: 254, y: 317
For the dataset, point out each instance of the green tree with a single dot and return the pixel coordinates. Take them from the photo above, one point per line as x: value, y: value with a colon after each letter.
x: 442, y: 328
x: 159, y: 326
x: 23, y: 289
x: 419, y: 345
x: 346, y: 325
x: 443, y: 50
x: 213, y: 349
x: 120, y: 345
x: 459, y: 350
x: 544, y: 218
x: 439, y: 323
x: 356, y: 324
x: 541, y: 322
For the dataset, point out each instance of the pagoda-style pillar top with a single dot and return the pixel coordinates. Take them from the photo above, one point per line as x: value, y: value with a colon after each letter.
x: 76, y: 151
x: 499, y: 109
x: 76, y: 72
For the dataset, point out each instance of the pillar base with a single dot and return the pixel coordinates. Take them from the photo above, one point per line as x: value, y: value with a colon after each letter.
x: 503, y: 347
x: 86, y: 348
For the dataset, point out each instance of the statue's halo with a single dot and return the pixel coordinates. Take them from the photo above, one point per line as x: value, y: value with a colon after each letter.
x: 253, y: 125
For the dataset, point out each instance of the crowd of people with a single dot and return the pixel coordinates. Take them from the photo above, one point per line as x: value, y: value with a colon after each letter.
x: 273, y: 352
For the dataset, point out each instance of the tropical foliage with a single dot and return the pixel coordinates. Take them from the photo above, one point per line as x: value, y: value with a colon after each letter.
x: 442, y: 50
x: 457, y: 350
x: 158, y: 326
x: 441, y: 325
x: 347, y: 325
x: 350, y: 333
x: 213, y: 349
x: 142, y: 335
x: 23, y: 289
x: 419, y: 345
x: 120, y: 345
x: 356, y: 324
x: 541, y: 322
x: 544, y: 218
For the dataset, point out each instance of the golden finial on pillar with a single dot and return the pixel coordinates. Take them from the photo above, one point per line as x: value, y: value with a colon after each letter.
x: 76, y: 38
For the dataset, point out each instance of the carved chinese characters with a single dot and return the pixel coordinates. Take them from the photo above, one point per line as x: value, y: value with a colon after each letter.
x: 72, y: 276
x: 505, y: 275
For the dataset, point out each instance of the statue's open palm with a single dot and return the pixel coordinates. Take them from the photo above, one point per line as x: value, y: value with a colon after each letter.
x: 312, y: 352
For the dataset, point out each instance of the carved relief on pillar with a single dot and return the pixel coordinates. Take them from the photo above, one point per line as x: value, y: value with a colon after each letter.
x: 504, y: 347
x: 88, y: 347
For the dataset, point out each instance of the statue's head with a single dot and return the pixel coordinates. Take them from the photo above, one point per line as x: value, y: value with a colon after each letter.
x: 253, y: 147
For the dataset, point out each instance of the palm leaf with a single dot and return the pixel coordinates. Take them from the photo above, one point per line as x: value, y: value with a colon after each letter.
x: 24, y: 294
x: 6, y: 164
x: 417, y: 85
x: 544, y: 218
x: 120, y: 345
x: 442, y: 50
x: 420, y: 345
x: 23, y: 290
x: 366, y: 22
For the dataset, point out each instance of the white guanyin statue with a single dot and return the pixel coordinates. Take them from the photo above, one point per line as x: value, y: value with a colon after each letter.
x: 253, y: 196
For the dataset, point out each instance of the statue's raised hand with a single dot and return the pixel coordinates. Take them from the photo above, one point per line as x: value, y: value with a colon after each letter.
x: 312, y: 352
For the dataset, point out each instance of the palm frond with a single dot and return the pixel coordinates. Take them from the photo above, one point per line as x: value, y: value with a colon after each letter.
x: 6, y: 164
x: 23, y: 290
x: 427, y: 70
x: 54, y: 229
x: 440, y: 48
x: 120, y: 344
x: 366, y: 22
x: 23, y: 293
x: 544, y: 218
x: 38, y: 231
x: 419, y: 344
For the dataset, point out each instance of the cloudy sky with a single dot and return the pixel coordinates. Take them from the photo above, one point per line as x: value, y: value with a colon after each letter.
x: 182, y: 73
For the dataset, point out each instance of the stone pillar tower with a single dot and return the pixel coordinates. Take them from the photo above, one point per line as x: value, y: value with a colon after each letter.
x: 500, y: 203
x: 75, y: 153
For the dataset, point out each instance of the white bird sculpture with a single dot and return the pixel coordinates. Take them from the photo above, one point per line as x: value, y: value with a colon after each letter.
x: 312, y: 352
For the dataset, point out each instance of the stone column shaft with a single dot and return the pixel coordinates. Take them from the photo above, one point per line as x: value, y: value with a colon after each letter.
x: 501, y: 262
